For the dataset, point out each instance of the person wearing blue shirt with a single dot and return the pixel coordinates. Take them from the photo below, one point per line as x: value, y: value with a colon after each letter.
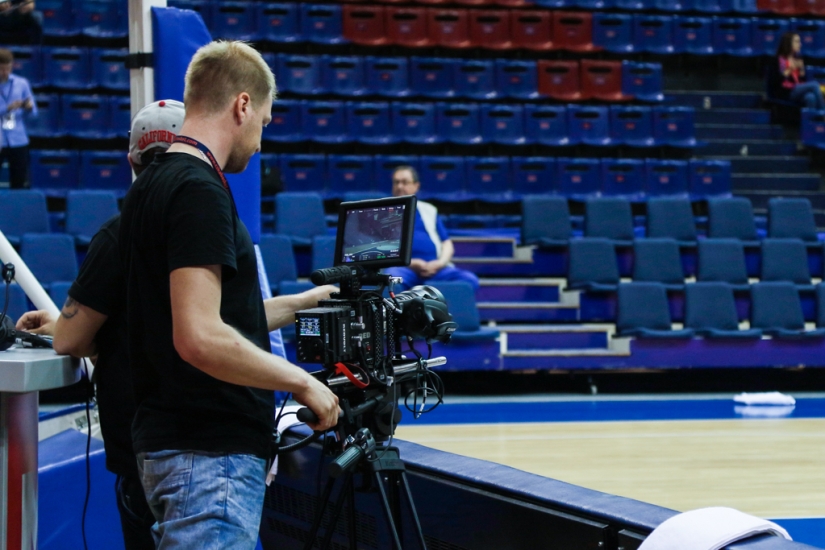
x: 432, y: 248
x: 16, y: 101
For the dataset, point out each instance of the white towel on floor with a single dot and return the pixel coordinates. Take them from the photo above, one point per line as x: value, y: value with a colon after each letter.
x: 708, y: 529
x: 764, y: 398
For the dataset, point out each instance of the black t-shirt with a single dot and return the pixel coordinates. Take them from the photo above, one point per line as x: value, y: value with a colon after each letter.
x: 178, y: 214
x: 99, y: 285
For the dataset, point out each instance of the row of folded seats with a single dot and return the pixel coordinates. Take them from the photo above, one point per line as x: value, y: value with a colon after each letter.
x: 813, y: 127
x: 80, y: 116
x: 503, y: 179
x: 72, y: 68
x: 90, y: 18
x: 56, y: 173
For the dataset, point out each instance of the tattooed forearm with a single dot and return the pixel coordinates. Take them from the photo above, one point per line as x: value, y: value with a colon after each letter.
x: 70, y: 308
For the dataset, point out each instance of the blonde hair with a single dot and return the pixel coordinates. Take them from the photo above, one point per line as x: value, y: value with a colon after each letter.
x: 221, y: 70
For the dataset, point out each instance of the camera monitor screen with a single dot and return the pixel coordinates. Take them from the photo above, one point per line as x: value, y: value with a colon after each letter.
x: 375, y: 233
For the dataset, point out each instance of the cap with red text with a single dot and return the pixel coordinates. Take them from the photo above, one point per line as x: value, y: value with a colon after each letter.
x: 156, y: 125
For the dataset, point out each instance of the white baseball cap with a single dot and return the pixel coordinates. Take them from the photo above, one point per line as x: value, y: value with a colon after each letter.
x: 156, y: 125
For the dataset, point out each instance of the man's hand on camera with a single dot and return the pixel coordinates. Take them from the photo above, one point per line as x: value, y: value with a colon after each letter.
x: 37, y: 322
x: 315, y: 295
x: 322, y: 402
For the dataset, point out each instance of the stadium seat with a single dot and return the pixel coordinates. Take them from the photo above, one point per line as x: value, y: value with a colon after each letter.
x: 50, y: 257
x: 54, y: 172
x: 593, y: 265
x: 602, y: 80
x: 766, y: 35
x: 644, y: 81
x: 475, y: 79
x: 631, y: 125
x: 589, y: 124
x: 234, y: 21
x: 349, y: 173
x: 532, y: 30
x: 370, y: 123
x: 28, y: 63
x: 707, y: 6
x: 86, y: 116
x: 623, y: 178
x: 204, y: 9
x: 324, y: 121
x: 666, y: 177
x: 105, y: 170
x: 710, y: 311
x: 792, y: 219
x: 732, y: 218
x: 813, y: 7
x: 109, y: 68
x: 671, y: 6
x: 86, y: 211
x: 59, y: 292
x: 459, y: 122
x: 644, y: 312
x: 578, y: 178
x: 432, y: 76
x: 693, y: 35
x: 552, y: 4
x: 323, y: 251
x: 18, y: 304
x: 559, y: 79
x: 723, y: 260
x: 58, y: 18
x: 343, y: 75
x: 285, y: 125
x: 658, y: 261
x: 415, y: 122
x: 776, y: 309
x: 533, y: 175
x: 489, y: 179
x: 460, y: 298
x: 47, y: 122
x: 365, y: 24
x: 812, y: 33
x: 631, y: 5
x: 709, y: 178
x: 303, y: 173
x: 573, y: 31
x: 674, y: 126
x: 321, y: 23
x: 279, y: 260
x: 449, y: 28
x: 67, y: 68
x: 517, y: 79
x: 22, y: 211
x: 385, y: 165
x: 613, y: 32
x: 443, y: 177
x: 388, y: 76
x: 820, y: 305
x: 786, y: 260
x: 653, y: 33
x: 812, y: 127
x: 546, y: 124
x: 120, y: 116
x: 609, y: 218
x: 671, y: 217
x: 503, y: 124
x: 745, y: 6
x: 300, y: 74
x: 278, y: 22
x: 300, y: 216
x: 545, y: 221
x: 732, y: 36
x: 408, y: 27
x: 490, y: 29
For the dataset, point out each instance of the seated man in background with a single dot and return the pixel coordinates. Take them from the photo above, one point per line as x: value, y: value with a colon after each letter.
x: 432, y: 248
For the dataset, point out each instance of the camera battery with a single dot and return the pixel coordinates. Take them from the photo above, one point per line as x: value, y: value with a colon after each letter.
x: 323, y: 335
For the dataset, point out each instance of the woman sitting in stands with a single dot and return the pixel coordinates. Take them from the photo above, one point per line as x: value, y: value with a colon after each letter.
x: 791, y: 75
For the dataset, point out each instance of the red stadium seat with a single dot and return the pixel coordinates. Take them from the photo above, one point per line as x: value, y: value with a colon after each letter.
x: 364, y: 24
x: 560, y: 80
x: 784, y: 7
x: 449, y: 28
x: 812, y: 7
x: 602, y: 80
x: 471, y: 2
x: 513, y: 3
x: 532, y: 30
x: 433, y: 1
x: 490, y: 29
x: 408, y: 27
x: 573, y: 31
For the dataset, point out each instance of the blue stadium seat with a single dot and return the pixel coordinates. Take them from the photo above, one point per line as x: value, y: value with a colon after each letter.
x: 349, y: 173
x: 460, y: 298
x: 28, y: 63
x: 613, y: 32
x: 658, y: 261
x: 50, y: 256
x: 546, y: 124
x: 475, y: 79
x: 54, y: 172
x: 109, y: 68
x: 710, y: 311
x: 517, y: 79
x: 644, y: 312
x: 279, y: 260
x: 102, y: 18
x: 459, y: 122
x: 120, y: 116
x: 385, y: 165
x: 303, y: 173
x: 59, y: 292
x: 343, y: 75
x: 58, y: 18
x: 22, y: 211
x: 812, y: 125
x: 18, y: 304
x: 653, y: 33
x: 589, y: 124
x: 432, y: 76
x: 786, y: 260
x: 533, y: 175
x: 503, y: 124
x: 609, y: 218
x: 370, y: 123
x: 578, y: 178
x: 744, y: 6
x: 776, y: 309
x: 300, y: 216
x: 323, y: 251
x: 234, y: 21
x: 322, y: 23
x: 545, y: 220
x: 47, y: 122
x: 820, y: 305
x: 324, y: 121
x: 388, y: 76
x: 671, y: 6
x: 278, y: 22
x: 299, y: 74
x: 693, y: 35
x: 443, y: 177
x: 203, y: 8
x: 674, y: 126
x: 644, y: 81
x: 732, y: 36
x: 732, y: 218
x: 666, y: 177
x: 707, y: 6
x: 812, y: 33
x: 632, y: 125
x: 67, y: 68
x: 623, y: 178
x: 489, y: 179
x: 86, y: 211
x: 671, y: 217
x: 709, y: 178
x: 108, y: 170
x: 631, y: 5
x: 285, y: 125
x: 415, y: 122
x: 792, y: 219
x: 766, y: 34
x: 593, y: 265
x: 86, y: 116
x: 723, y: 260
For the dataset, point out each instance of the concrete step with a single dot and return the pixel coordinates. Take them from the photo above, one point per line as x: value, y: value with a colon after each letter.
x: 714, y: 100
x: 549, y: 338
x: 739, y: 131
x: 748, y: 147
x: 520, y: 290
x: 733, y: 116
x: 484, y: 247
x: 566, y: 309
x: 776, y: 182
x: 767, y: 164
x: 760, y: 198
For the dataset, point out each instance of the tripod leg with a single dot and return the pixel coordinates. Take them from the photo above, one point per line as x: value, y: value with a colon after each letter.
x: 322, y: 506
x: 353, y: 534
x: 387, y: 510
x: 408, y: 494
x: 346, y: 491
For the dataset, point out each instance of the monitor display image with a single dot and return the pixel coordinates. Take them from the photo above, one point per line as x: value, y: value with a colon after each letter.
x: 375, y: 232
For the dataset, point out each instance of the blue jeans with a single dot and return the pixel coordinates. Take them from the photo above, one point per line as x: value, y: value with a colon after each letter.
x: 809, y: 95
x: 204, y: 500
x: 449, y: 273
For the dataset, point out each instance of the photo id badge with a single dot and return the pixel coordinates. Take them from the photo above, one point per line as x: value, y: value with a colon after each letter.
x: 8, y: 121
